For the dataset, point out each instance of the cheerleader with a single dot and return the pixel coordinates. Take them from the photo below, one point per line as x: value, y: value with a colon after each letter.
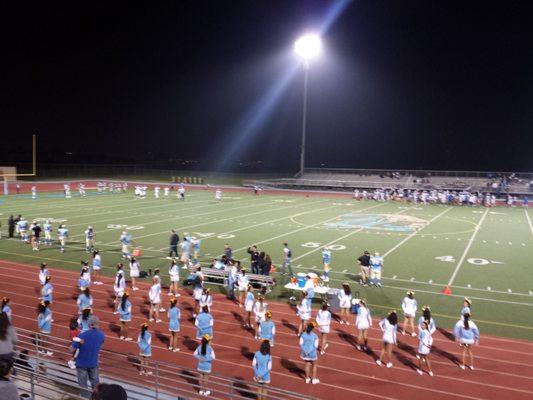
x: 174, y: 316
x: 134, y: 273
x: 425, y: 341
x: 205, y: 355
x: 124, y: 309
x: 232, y: 277
x: 426, y: 317
x: 85, y: 300
x: 197, y: 292
x: 155, y: 299
x: 467, y: 334
x: 84, y: 280
x: 43, y: 273
x: 83, y: 320
x: 204, y: 324
x: 345, y: 302
x: 47, y: 290
x: 466, y: 307
x: 249, y: 306
x: 303, y: 310
x: 242, y: 286
x: 5, y: 308
x: 44, y: 323
x: 260, y: 308
x: 97, y: 265
x: 144, y: 341
x: 308, y: 353
x: 409, y: 307
x: 206, y: 300
x: 363, y: 322
x: 174, y: 272
x: 119, y: 286
x: 262, y: 365
x: 389, y: 327
x: 323, y: 320
x: 267, y: 329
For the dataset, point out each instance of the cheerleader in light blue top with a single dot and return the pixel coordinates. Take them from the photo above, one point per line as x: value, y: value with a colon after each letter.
x: 262, y: 365
x: 62, y: 236
x: 205, y: 355
x: 204, y: 324
x: 309, y: 353
x: 44, y: 322
x: 428, y: 319
x: 144, y: 341
x: 466, y: 307
x: 467, y: 334
x: 84, y: 280
x: 5, y: 308
x: 174, y: 316
x: 267, y: 329
x: 425, y: 341
x: 83, y: 320
x: 97, y: 265
x: 47, y: 290
x: 85, y: 300
x: 124, y: 309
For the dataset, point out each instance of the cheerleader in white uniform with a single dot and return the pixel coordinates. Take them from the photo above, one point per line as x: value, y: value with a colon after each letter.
x: 43, y: 273
x: 134, y: 273
x: 323, y: 320
x: 206, y: 300
x: 409, y: 307
x: 197, y: 293
x: 174, y: 272
x: 363, y: 322
x: 155, y: 299
x: 425, y: 341
x: 119, y: 286
x: 242, y: 286
x: 345, y: 302
x: 426, y: 317
x: 303, y: 310
x: 249, y: 302
x: 260, y: 309
x: 389, y: 327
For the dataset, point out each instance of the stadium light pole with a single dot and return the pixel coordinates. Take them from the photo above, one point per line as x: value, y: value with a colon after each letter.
x: 306, y: 47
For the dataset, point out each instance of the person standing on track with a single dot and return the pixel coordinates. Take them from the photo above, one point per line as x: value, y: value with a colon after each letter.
x: 249, y: 302
x: 389, y: 327
x: 303, y: 311
x: 134, y: 273
x: 242, y: 286
x: 308, y: 353
x: 262, y: 365
x: 144, y: 341
x: 174, y: 241
x: 174, y: 273
x: 206, y: 299
x: 363, y: 322
x: 409, y: 307
x: 119, y: 286
x: 205, y: 355
x: 4, y: 308
x: 155, y: 299
x: 425, y: 341
x: 83, y: 319
x: 44, y: 323
x: 124, y: 310
x: 364, y: 263
x: 426, y: 317
x: 97, y: 265
x: 467, y: 334
x: 174, y: 316
x: 323, y: 320
x: 84, y: 280
x: 267, y: 329
x: 204, y: 324
x: 85, y: 300
x: 260, y: 309
x: 345, y: 302
x: 47, y: 290
x: 43, y: 273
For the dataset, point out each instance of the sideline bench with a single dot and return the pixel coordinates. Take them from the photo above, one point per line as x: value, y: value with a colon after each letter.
x: 220, y: 277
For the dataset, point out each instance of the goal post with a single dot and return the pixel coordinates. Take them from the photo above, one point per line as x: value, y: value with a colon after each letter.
x: 9, y: 173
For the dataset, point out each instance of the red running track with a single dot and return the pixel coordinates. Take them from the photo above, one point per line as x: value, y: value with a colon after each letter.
x: 504, y: 367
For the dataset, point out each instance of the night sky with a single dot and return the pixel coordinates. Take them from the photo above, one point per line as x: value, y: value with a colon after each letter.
x: 400, y: 84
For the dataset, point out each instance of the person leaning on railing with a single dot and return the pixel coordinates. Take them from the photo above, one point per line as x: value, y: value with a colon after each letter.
x: 8, y: 390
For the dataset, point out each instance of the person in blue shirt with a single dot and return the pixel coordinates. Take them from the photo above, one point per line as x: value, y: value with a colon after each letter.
x: 44, y: 322
x: 125, y: 240
x: 466, y: 307
x: 326, y: 259
x: 84, y: 280
x: 62, y: 236
x: 97, y: 265
x: 47, y: 290
x: 5, y: 307
x: 174, y: 316
x: 267, y: 329
x: 85, y: 300
x: 83, y: 320
x: 124, y: 309
x: 376, y: 266
x: 204, y: 324
x: 308, y: 353
x: 205, y: 355
x: 262, y: 365
x: 87, y: 350
x: 145, y: 349
x: 467, y: 334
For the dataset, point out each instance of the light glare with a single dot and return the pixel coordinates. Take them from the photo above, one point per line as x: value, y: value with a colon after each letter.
x: 308, y: 46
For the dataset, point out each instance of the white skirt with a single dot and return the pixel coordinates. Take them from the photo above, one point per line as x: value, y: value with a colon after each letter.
x: 174, y: 278
x: 362, y: 324
x: 134, y: 274
x: 197, y: 294
x: 324, y: 328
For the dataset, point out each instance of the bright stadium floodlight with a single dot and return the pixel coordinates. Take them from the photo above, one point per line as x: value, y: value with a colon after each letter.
x: 307, y: 47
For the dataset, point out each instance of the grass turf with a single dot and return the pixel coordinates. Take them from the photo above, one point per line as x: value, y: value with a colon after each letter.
x: 484, y: 254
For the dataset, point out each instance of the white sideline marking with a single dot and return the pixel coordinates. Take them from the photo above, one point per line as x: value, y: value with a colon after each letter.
x: 529, y: 221
x: 478, y: 226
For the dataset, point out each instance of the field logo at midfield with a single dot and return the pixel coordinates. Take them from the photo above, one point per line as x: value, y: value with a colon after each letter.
x: 384, y: 222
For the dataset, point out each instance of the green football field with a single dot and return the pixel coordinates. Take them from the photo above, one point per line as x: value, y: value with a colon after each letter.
x: 485, y: 254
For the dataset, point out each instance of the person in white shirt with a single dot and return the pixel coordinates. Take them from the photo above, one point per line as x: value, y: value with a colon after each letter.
x: 363, y: 322
x: 119, y: 286
x: 303, y: 310
x: 174, y: 272
x: 409, y: 307
x: 134, y: 273
x: 206, y: 300
x: 155, y: 299
x: 323, y: 320
x: 345, y: 302
x: 260, y: 309
x: 249, y: 302
x: 426, y: 317
x: 425, y: 341
x: 242, y: 285
x: 218, y: 195
x: 389, y: 327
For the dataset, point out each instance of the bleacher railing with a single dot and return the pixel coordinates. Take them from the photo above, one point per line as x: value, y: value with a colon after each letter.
x: 49, y: 377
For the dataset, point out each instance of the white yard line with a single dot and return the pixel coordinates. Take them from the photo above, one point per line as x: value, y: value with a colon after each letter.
x: 458, y: 267
x: 416, y: 232
x: 529, y: 221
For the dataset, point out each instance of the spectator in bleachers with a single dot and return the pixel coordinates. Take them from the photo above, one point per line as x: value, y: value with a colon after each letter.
x: 8, y: 337
x: 7, y: 388
x: 88, y: 350
x: 106, y: 391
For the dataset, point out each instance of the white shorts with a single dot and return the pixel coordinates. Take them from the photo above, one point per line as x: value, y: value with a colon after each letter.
x: 174, y: 279
x: 323, y: 328
x: 375, y: 273
x: 406, y: 315
x: 249, y: 306
x: 125, y: 249
x: 62, y: 240
x: 467, y: 341
x: 362, y: 325
x: 242, y: 289
x: 345, y: 304
x: 156, y: 302
x: 134, y: 274
x: 96, y: 267
x: 197, y: 294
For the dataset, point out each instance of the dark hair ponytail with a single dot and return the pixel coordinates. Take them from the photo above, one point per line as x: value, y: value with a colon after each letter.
x: 466, y: 319
x: 203, y: 350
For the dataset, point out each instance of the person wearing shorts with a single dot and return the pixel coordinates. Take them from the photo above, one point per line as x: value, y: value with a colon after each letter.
x: 262, y: 365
